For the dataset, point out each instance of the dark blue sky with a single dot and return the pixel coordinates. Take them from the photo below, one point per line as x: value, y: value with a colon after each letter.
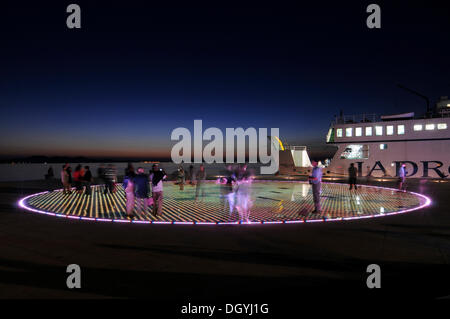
x: 136, y: 70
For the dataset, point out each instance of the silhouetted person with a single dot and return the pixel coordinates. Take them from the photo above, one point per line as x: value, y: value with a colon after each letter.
x: 316, y: 182
x: 200, y: 177
x: 156, y: 177
x: 402, y: 178
x: 87, y: 180
x: 101, y: 176
x: 69, y: 173
x: 129, y: 171
x: 50, y: 173
x: 141, y: 189
x: 352, y: 173
x: 78, y: 178
x: 191, y: 174
x: 65, y: 179
x: 128, y: 186
x: 110, y: 179
x: 181, y: 179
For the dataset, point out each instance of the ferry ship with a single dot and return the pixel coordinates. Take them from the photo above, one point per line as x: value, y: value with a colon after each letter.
x: 379, y: 145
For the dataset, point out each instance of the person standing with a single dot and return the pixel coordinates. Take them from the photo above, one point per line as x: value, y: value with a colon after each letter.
x: 141, y: 190
x: 352, y: 173
x: 181, y: 180
x: 65, y: 179
x: 69, y: 173
x: 87, y: 180
x: 200, y: 177
x: 110, y: 179
x: 101, y: 177
x: 316, y: 182
x: 129, y: 171
x: 156, y: 177
x: 402, y: 178
x: 228, y: 194
x: 191, y: 174
x: 128, y: 185
x: 78, y: 178
x: 243, y: 201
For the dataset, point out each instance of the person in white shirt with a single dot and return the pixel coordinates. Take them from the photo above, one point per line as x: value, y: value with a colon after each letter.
x: 402, y: 178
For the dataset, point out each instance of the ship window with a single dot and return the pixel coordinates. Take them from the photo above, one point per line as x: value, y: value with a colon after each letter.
x: 378, y: 130
x: 358, y: 131
x: 390, y: 130
x: 348, y: 131
x: 442, y: 126
x: 339, y: 132
x: 429, y: 127
x: 418, y: 127
x: 355, y: 151
x: 400, y: 129
x: 383, y: 146
x: 368, y: 130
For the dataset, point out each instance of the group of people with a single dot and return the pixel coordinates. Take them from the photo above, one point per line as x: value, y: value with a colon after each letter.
x: 143, y: 190
x: 82, y: 178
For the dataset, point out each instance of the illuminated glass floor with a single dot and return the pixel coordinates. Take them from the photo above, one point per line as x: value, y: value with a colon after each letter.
x: 272, y: 202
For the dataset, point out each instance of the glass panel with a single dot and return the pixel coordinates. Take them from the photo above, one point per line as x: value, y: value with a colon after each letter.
x: 368, y: 131
x: 400, y: 129
x: 356, y: 151
x: 390, y: 130
x: 348, y: 131
x: 378, y: 130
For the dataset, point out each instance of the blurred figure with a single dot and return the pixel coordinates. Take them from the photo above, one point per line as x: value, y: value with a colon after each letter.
x: 50, y: 173
x: 316, y: 182
x: 402, y: 178
x: 352, y: 173
x: 101, y: 176
x: 87, y: 180
x: 181, y: 179
x: 78, y: 178
x: 69, y: 173
x: 129, y: 170
x: 200, y: 177
x: 243, y: 201
x: 128, y: 186
x: 110, y: 179
x: 227, y: 189
x: 191, y: 174
x: 65, y: 179
x: 141, y: 190
x: 156, y: 177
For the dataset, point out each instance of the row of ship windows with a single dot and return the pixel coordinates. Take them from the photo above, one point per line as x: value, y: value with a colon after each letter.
x: 389, y: 129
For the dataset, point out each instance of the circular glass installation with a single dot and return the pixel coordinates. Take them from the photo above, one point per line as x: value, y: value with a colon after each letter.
x: 262, y: 202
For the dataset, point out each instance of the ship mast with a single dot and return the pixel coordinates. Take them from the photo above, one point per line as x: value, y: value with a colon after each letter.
x: 428, y: 114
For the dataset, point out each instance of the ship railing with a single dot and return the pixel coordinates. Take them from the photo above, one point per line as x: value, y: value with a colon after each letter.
x: 444, y: 113
x: 356, y: 118
x: 294, y: 148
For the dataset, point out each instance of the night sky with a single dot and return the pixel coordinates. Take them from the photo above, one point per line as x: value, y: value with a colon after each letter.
x: 137, y: 70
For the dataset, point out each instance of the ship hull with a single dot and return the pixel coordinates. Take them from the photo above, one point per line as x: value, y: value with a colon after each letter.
x: 422, y: 160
